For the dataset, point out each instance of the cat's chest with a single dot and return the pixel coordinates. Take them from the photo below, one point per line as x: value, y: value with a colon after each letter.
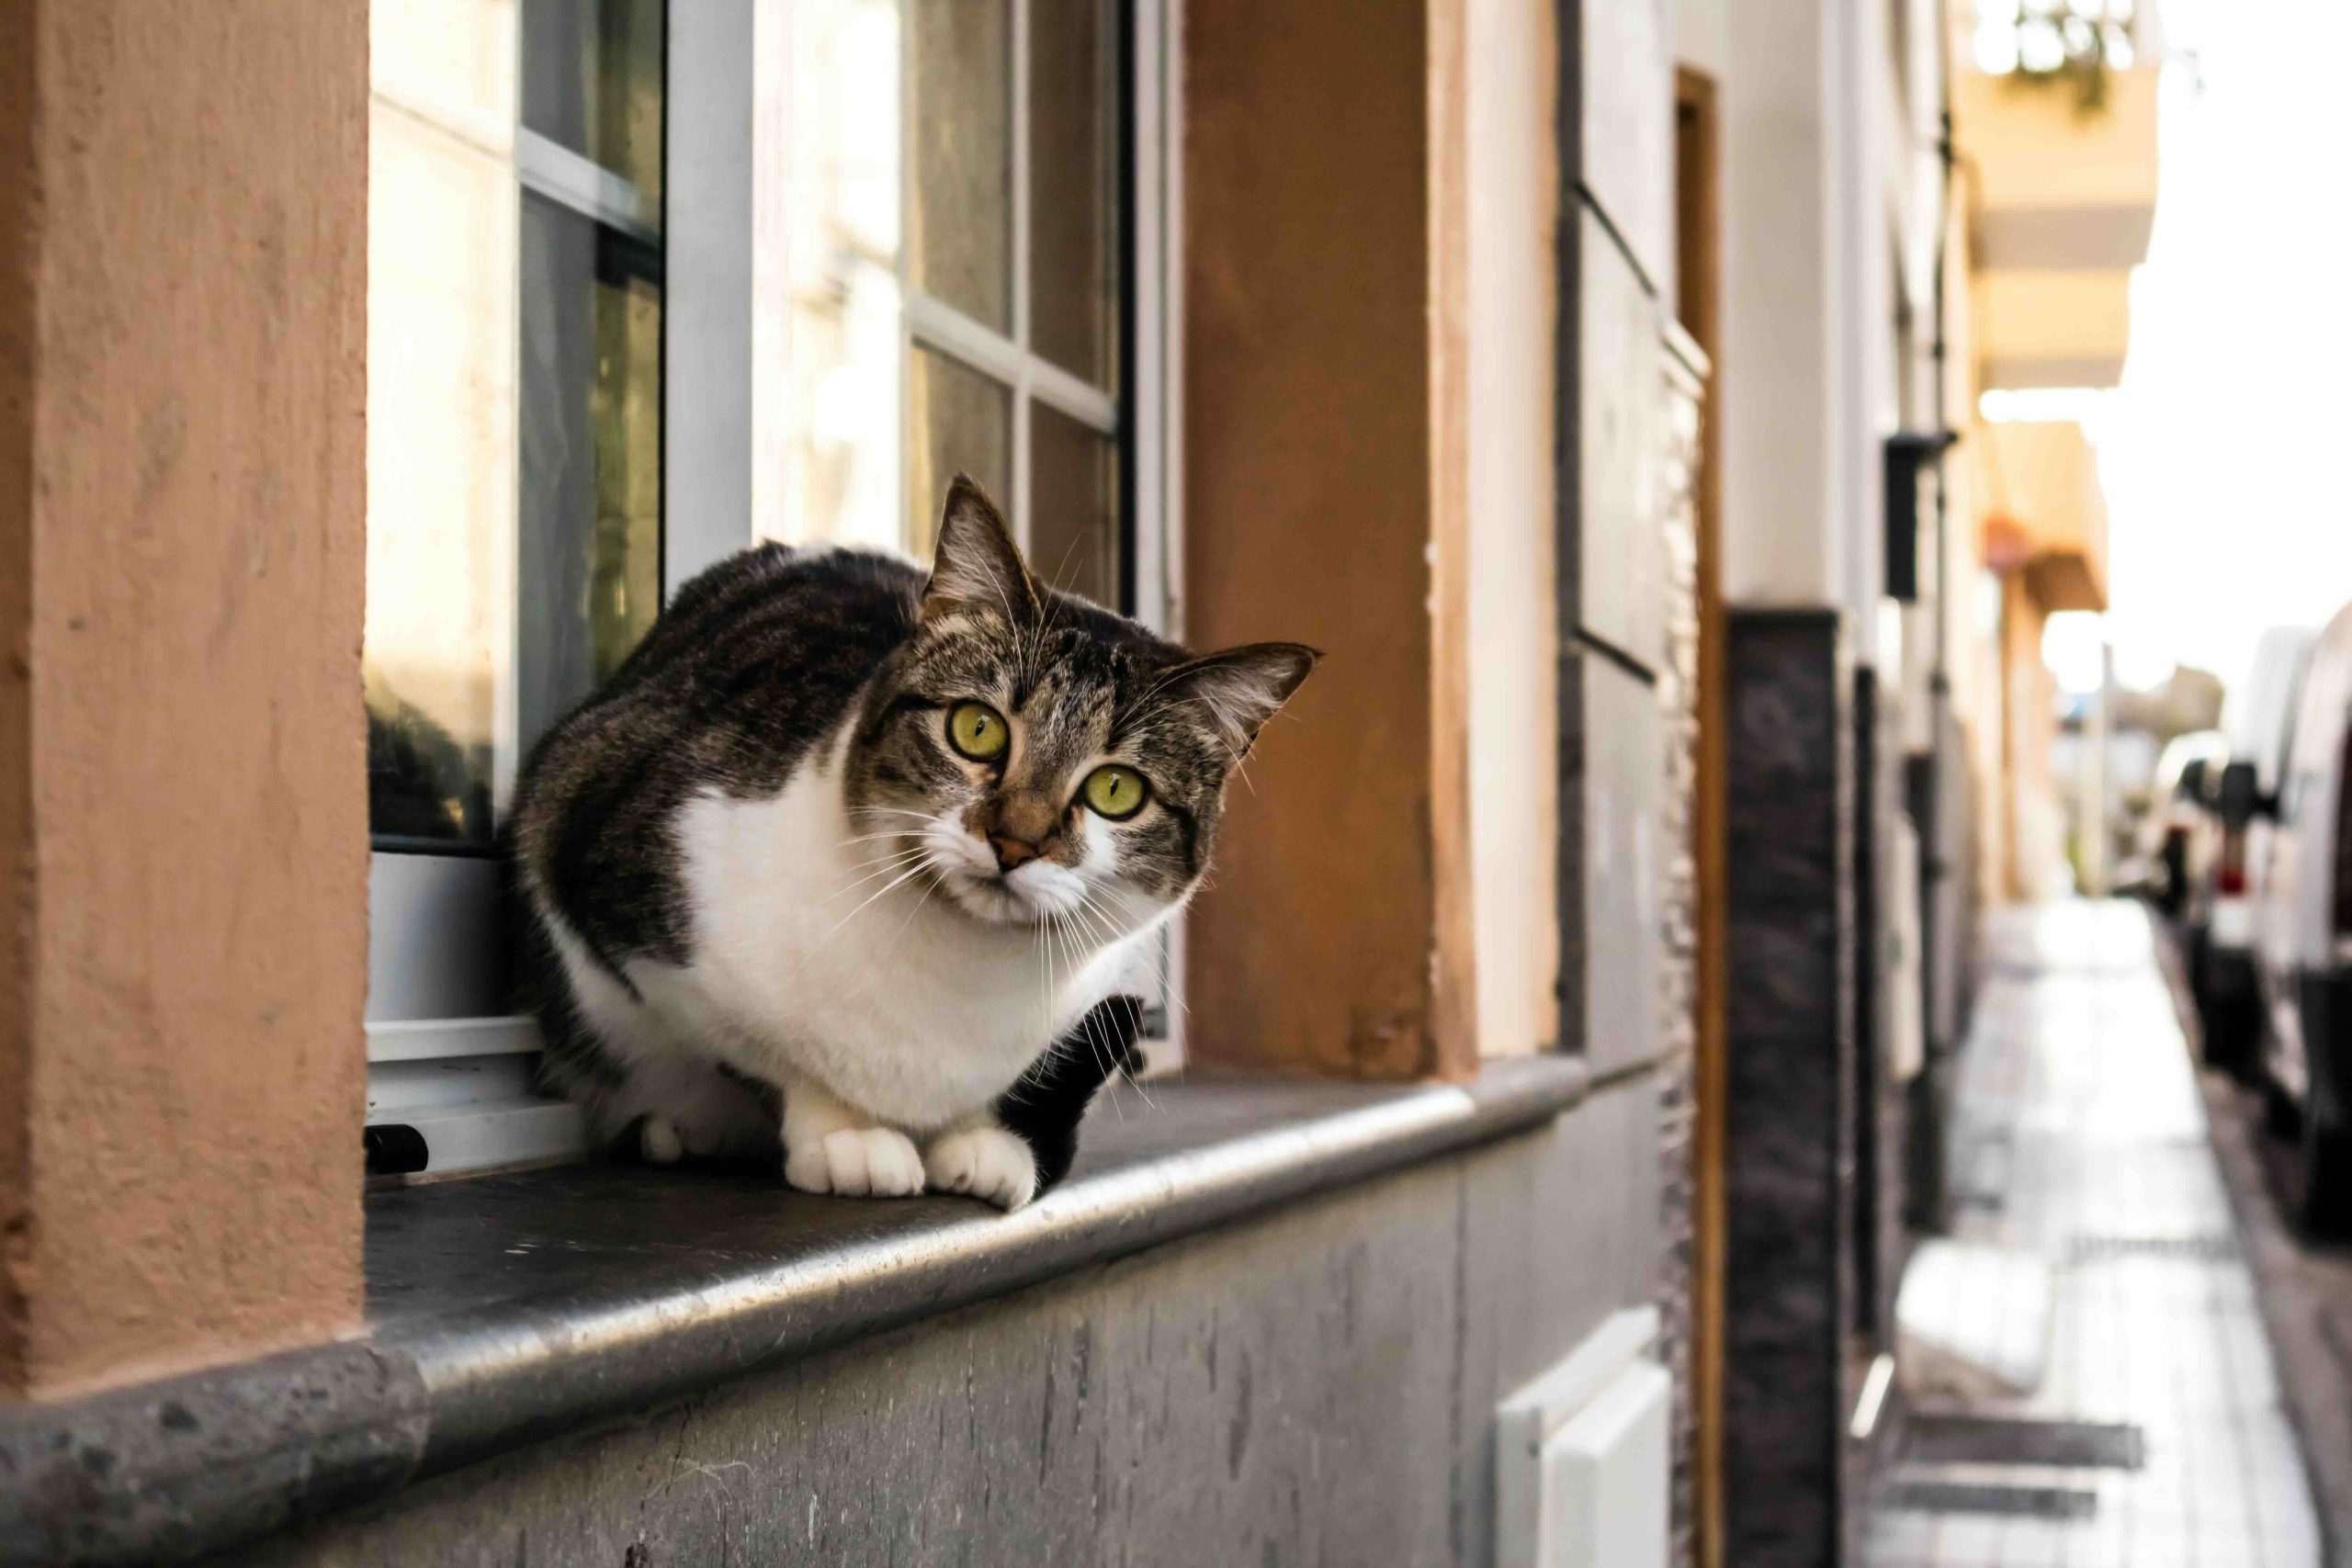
x: 824, y: 951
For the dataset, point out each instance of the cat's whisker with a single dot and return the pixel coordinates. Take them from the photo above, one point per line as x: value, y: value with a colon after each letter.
x: 750, y: 845
x: 1097, y: 918
x: 873, y: 868
x: 892, y: 863
x: 917, y: 870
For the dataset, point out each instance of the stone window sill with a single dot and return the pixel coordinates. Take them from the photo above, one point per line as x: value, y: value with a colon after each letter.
x: 506, y: 1309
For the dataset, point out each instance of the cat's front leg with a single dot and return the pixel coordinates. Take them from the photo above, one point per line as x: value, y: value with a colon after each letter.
x: 829, y: 1147
x: 980, y: 1157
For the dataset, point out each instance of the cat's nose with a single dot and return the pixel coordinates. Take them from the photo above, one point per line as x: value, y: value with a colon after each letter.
x: 1012, y: 852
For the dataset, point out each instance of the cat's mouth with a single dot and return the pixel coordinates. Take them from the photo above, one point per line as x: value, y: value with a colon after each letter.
x: 996, y: 898
x: 1028, y: 894
x: 989, y: 899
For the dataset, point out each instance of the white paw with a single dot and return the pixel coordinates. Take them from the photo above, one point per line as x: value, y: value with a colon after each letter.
x: 989, y: 1163
x: 856, y: 1162
x: 657, y: 1140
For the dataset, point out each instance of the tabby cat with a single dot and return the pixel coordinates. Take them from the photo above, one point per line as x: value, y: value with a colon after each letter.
x: 843, y: 850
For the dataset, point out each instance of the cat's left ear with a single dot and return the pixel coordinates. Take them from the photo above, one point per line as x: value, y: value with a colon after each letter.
x: 1241, y: 688
x: 976, y: 566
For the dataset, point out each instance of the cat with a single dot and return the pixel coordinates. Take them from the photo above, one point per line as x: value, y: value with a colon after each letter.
x: 882, y: 841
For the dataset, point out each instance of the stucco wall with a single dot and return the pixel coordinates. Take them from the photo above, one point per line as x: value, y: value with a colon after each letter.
x: 181, y: 485
x: 1317, y: 1386
x: 1323, y: 446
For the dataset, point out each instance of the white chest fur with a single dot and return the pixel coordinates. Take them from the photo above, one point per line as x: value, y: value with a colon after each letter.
x: 808, y: 960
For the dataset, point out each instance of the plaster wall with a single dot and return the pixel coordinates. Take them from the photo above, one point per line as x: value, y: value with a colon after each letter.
x: 1828, y: 239
x: 1778, y: 396
x: 182, y: 283
x: 1323, y: 465
x: 1702, y: 36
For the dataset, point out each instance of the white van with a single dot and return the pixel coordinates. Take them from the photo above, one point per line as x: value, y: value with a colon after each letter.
x: 2222, y: 913
x: 2305, y: 928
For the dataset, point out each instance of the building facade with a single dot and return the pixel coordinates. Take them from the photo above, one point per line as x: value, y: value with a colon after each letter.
x: 1542, y: 1089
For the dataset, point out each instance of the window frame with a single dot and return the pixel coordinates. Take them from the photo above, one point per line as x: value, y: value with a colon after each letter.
x: 434, y: 1035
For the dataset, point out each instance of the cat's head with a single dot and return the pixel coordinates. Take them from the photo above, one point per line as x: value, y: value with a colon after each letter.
x: 1042, y: 760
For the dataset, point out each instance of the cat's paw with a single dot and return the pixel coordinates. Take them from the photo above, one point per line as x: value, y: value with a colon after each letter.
x: 657, y: 1140
x: 856, y: 1162
x: 989, y: 1163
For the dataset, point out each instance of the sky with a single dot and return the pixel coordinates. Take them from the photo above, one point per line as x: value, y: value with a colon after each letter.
x: 2226, y: 453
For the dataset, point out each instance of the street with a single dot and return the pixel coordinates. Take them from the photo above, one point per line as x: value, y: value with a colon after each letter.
x: 2080, y: 1141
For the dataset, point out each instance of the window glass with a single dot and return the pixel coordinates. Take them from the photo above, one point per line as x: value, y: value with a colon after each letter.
x: 959, y: 139
x: 515, y: 392
x: 591, y: 82
x: 963, y: 424
x: 843, y: 328
x: 440, y: 420
x: 921, y: 340
x: 1074, y: 506
x: 1073, y: 163
x: 590, y: 528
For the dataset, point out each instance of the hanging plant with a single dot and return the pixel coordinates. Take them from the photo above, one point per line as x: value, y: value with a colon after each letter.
x: 2073, y: 45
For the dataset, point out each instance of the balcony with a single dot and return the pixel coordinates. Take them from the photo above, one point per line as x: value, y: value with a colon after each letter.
x: 2060, y: 170
x: 2045, y: 513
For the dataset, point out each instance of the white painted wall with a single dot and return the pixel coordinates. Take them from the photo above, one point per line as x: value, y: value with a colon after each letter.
x: 1513, y: 216
x: 1828, y: 223
x: 1778, y: 392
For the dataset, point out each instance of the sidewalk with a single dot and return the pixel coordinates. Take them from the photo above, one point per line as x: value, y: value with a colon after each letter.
x: 2079, y: 1136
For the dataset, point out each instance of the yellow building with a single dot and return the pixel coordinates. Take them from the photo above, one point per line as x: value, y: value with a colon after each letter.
x: 2056, y: 168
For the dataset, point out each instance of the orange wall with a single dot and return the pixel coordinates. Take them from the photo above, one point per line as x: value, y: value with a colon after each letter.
x: 182, y: 774
x: 1326, y: 475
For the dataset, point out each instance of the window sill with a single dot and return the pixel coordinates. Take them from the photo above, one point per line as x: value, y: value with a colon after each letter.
x: 506, y: 1309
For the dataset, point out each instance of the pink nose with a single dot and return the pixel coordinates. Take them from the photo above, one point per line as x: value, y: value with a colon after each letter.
x: 1012, y: 852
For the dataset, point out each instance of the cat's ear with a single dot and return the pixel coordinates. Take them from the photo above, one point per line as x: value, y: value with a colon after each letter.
x: 1240, y: 689
x: 976, y: 564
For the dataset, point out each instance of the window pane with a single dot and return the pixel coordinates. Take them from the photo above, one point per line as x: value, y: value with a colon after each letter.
x: 1073, y: 206
x: 441, y: 266
x: 836, y: 473
x: 962, y: 423
x: 1073, y: 505
x: 592, y: 80
x: 590, y: 574
x: 959, y: 142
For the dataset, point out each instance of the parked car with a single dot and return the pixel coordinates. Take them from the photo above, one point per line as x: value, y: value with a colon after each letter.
x: 2232, y: 842
x: 2304, y: 937
x: 2185, y: 768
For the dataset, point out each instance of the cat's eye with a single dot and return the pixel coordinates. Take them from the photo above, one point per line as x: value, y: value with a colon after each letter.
x: 1115, y: 791
x: 978, y: 731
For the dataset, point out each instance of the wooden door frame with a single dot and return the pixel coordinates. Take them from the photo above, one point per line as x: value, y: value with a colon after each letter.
x: 1698, y: 166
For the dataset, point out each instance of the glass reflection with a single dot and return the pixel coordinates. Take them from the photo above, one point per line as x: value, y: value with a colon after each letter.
x: 842, y: 470
x: 592, y: 80
x: 1073, y: 210
x: 961, y: 424
x: 959, y: 147
x: 589, y: 527
x: 1073, y: 506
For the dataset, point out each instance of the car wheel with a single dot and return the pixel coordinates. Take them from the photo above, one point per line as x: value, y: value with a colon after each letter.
x: 2281, y: 1117
x: 2326, y: 1179
x: 2232, y: 1032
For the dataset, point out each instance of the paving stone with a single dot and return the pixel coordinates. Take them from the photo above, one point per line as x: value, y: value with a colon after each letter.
x: 2078, y: 1120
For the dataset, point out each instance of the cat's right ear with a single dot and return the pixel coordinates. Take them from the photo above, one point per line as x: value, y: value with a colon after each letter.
x: 976, y: 567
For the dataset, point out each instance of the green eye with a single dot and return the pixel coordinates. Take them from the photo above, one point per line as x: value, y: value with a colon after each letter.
x: 978, y: 731
x: 1115, y: 791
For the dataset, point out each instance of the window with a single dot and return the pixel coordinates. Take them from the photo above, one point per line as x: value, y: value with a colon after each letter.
x: 837, y: 249
x: 954, y: 288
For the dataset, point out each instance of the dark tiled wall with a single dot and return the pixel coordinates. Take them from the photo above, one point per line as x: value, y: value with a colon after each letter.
x: 1790, y: 1142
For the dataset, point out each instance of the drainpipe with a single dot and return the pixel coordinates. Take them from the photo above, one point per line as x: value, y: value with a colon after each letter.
x: 1926, y: 1190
